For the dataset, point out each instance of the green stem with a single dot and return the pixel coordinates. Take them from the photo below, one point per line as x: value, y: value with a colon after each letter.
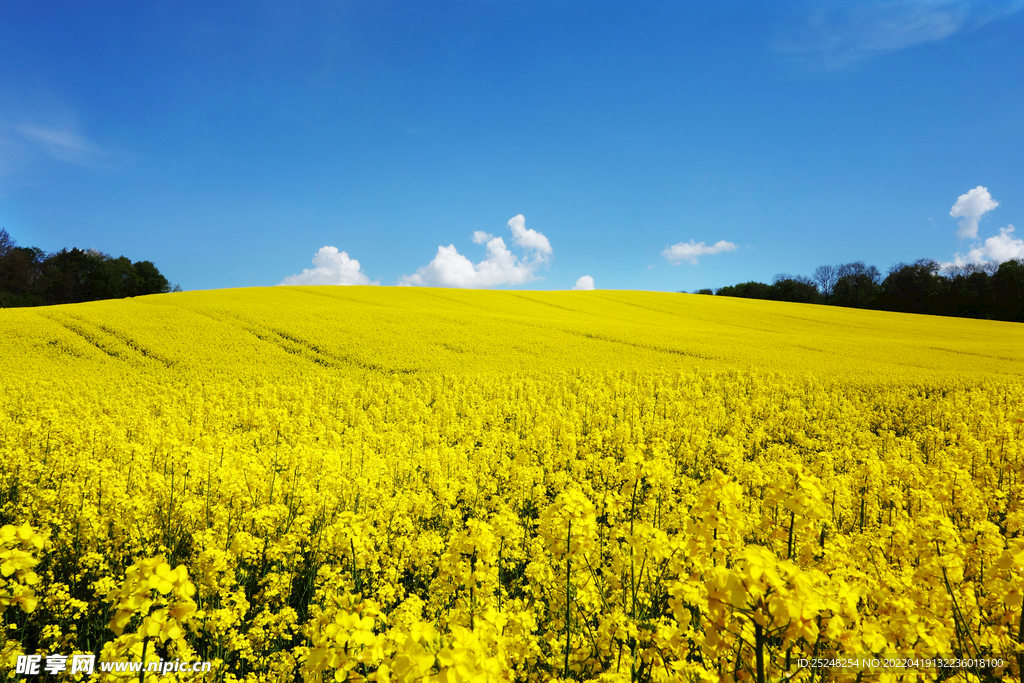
x: 789, y: 545
x: 759, y: 651
x: 1020, y: 639
x: 568, y: 564
x: 142, y: 669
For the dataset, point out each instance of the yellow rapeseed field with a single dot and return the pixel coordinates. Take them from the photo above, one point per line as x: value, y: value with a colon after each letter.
x: 399, y: 484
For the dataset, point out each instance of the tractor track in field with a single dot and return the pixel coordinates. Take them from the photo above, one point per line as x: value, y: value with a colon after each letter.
x: 80, y: 327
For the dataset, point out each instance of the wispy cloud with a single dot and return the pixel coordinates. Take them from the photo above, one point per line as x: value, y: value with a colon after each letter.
x: 62, y: 144
x: 837, y: 35
x: 330, y: 267
x: 689, y: 251
x: 449, y: 268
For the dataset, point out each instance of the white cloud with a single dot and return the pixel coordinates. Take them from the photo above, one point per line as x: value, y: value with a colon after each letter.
x: 998, y: 249
x: 837, y: 35
x: 689, y: 251
x: 584, y: 283
x: 332, y: 267
x: 1004, y: 247
x: 61, y: 144
x: 531, y: 240
x: 971, y: 207
x: 501, y: 267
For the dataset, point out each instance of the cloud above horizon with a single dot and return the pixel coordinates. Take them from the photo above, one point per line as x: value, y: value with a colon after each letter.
x: 970, y: 207
x: 331, y: 267
x: 838, y: 35
x: 585, y: 283
x: 998, y: 249
x: 449, y: 268
x: 689, y: 251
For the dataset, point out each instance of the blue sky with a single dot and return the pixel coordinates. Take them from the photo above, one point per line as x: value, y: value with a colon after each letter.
x: 647, y: 145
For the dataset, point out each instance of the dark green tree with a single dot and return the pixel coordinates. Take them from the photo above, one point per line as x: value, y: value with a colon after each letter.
x: 151, y: 281
x: 915, y: 288
x: 121, y: 278
x: 798, y: 289
x: 21, y: 276
x: 856, y: 285
x: 969, y: 295
x: 30, y: 277
x: 67, y: 276
x: 6, y: 243
x: 747, y: 290
x: 975, y: 290
x: 825, y: 278
x: 1008, y: 291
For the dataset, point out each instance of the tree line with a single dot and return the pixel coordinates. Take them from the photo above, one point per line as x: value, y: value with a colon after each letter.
x: 31, y: 277
x: 972, y: 291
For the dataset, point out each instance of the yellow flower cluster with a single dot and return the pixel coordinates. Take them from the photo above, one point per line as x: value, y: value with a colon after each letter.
x: 325, y: 484
x: 17, y: 548
x: 158, y: 600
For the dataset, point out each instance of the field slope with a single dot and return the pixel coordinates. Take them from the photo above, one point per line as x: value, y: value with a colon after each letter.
x: 405, y: 484
x: 349, y: 329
